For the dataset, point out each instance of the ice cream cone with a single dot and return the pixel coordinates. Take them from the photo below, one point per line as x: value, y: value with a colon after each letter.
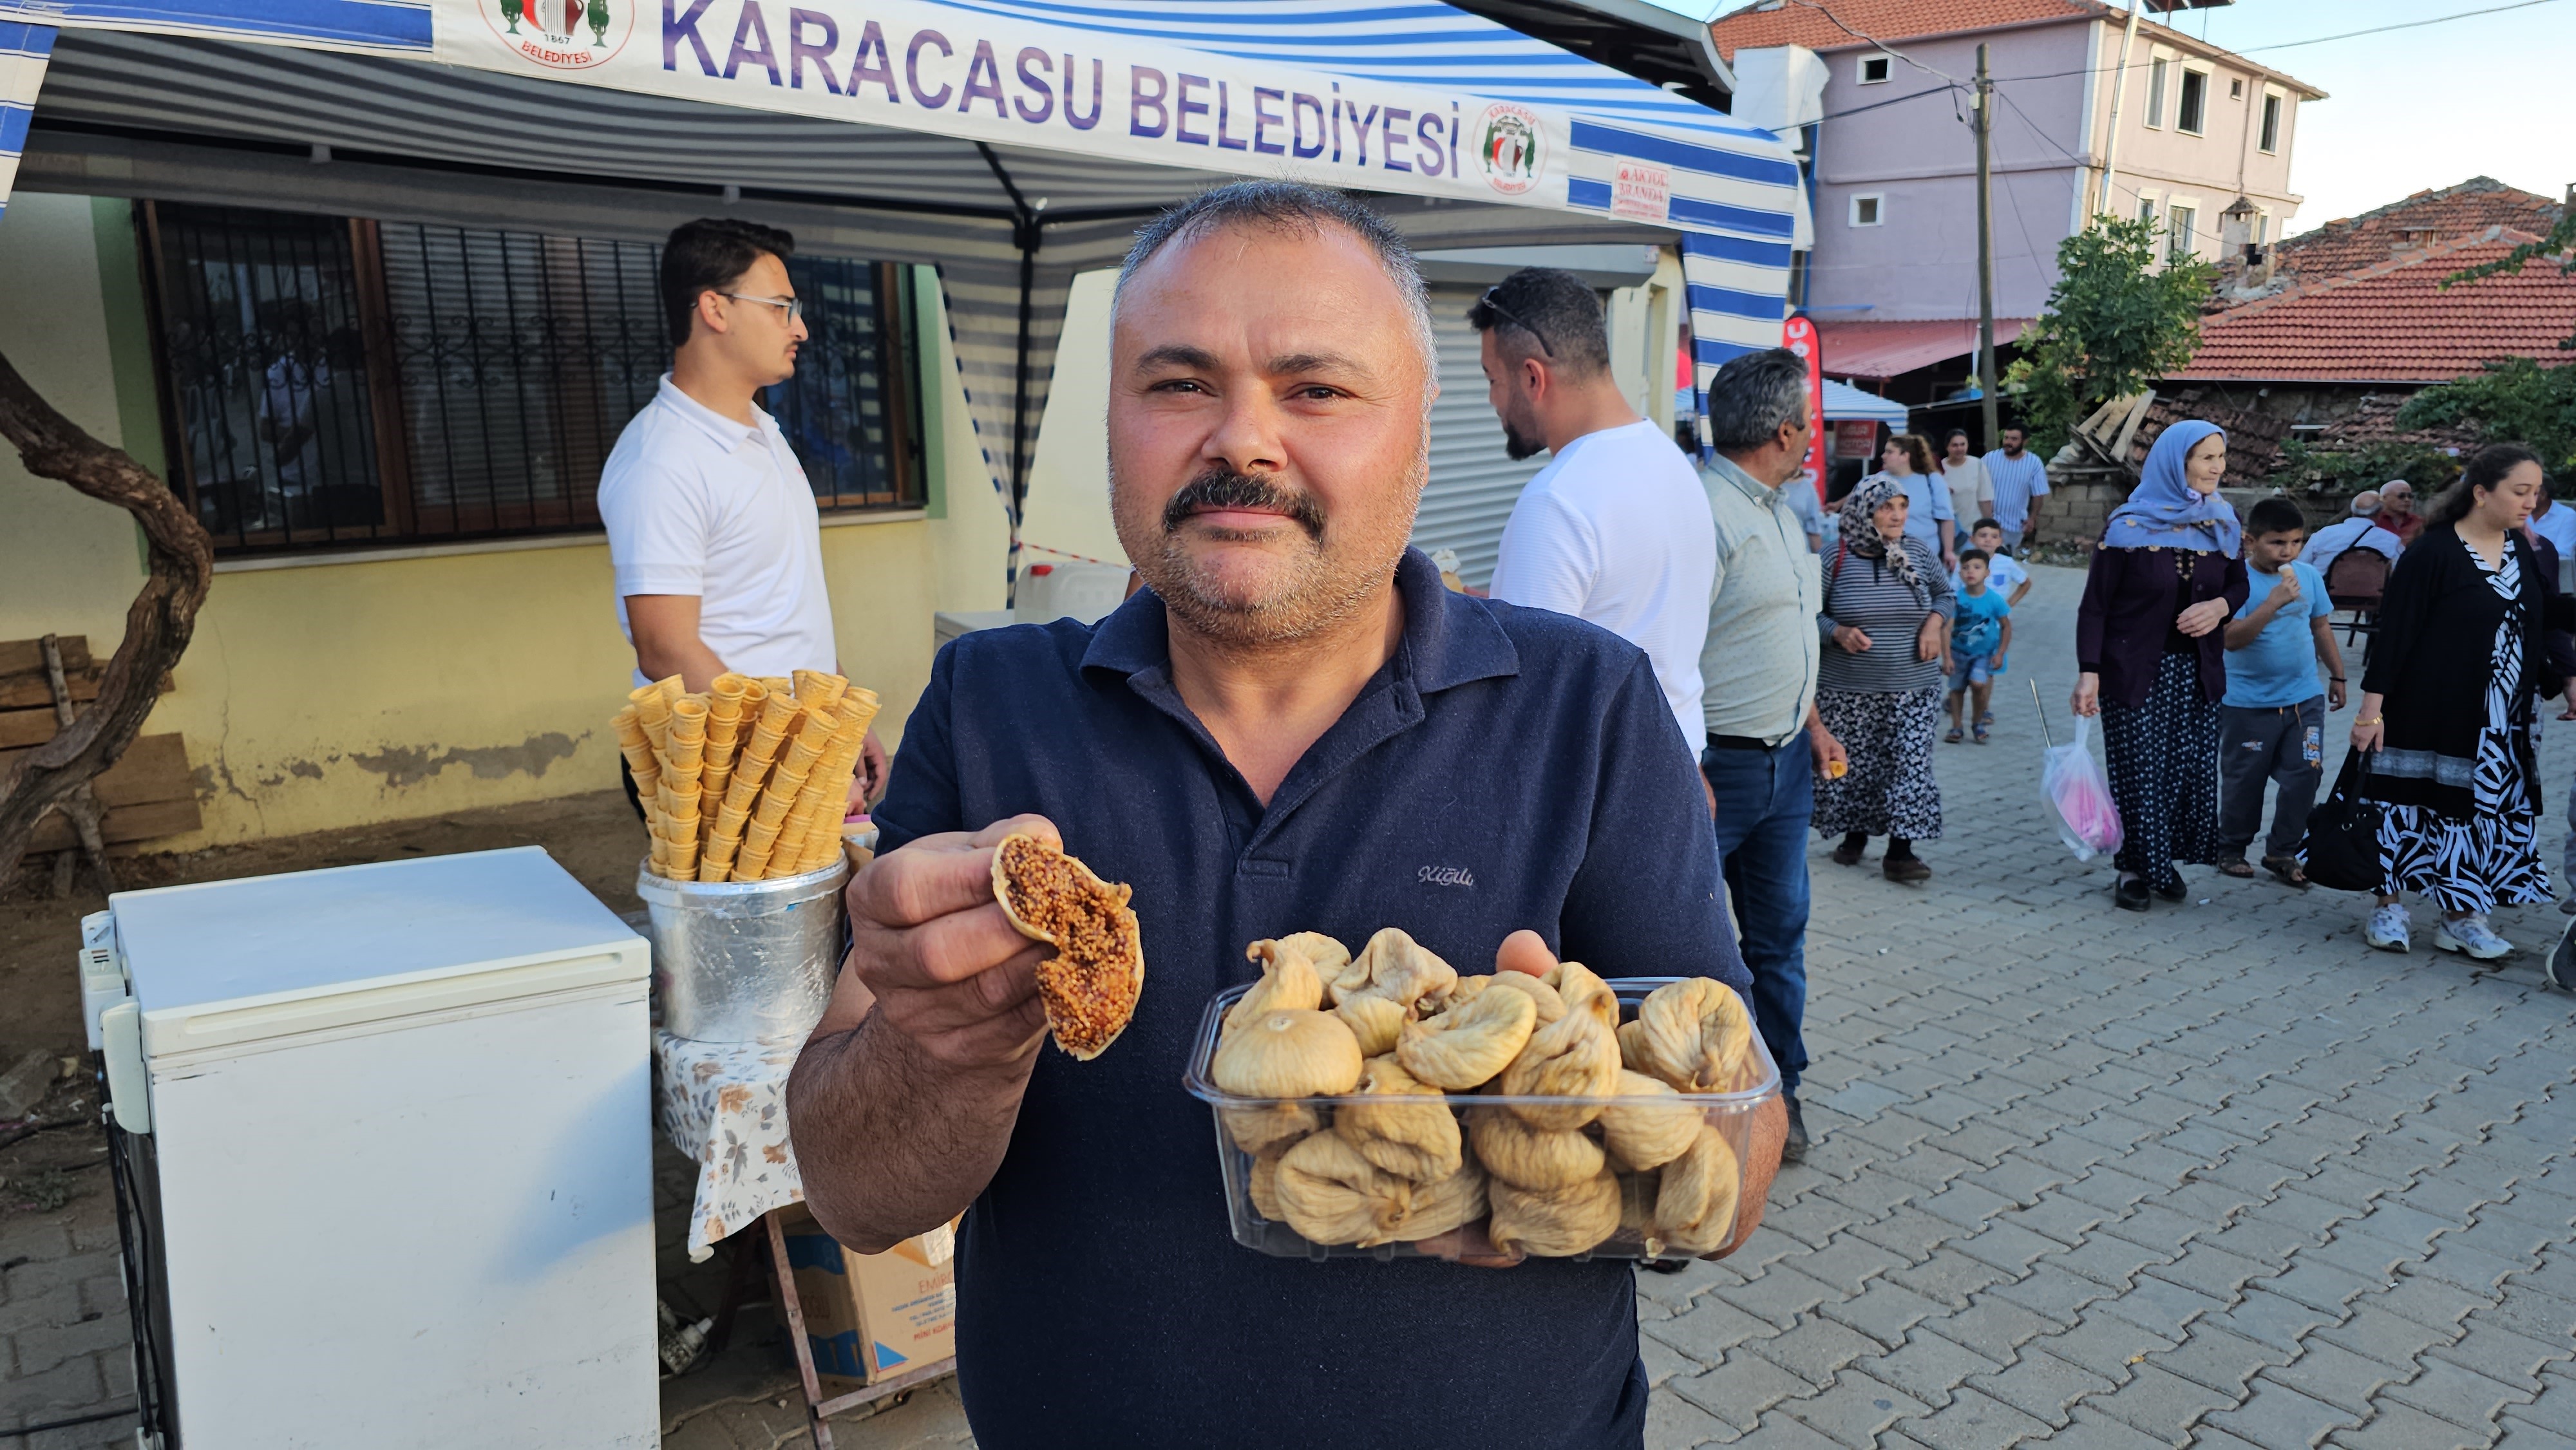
x: 717, y: 871
x: 725, y: 692
x: 653, y: 712
x: 713, y: 785
x: 777, y: 710
x: 689, y: 719
x: 724, y: 739
x: 684, y: 862
x: 810, y: 687
x: 772, y: 810
x: 759, y: 838
x: 742, y: 792
x: 730, y: 819
x: 763, y: 743
x: 671, y: 687
x: 629, y: 727
x: 803, y: 753
x: 748, y: 867
x: 860, y: 704
x: 778, y: 684
x: 688, y: 754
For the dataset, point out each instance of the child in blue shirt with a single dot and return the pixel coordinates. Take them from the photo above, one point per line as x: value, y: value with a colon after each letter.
x: 2271, y: 722
x: 1974, y: 653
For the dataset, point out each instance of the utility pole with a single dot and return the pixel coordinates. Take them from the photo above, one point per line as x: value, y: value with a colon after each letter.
x: 2111, y: 143
x: 1984, y: 125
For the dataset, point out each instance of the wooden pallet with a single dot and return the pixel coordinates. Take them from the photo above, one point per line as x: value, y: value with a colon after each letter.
x: 147, y: 794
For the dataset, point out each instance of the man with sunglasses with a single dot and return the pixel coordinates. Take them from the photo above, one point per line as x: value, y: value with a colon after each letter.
x: 712, y: 528
x: 1616, y: 529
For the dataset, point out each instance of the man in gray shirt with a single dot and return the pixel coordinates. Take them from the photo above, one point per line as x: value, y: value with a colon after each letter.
x: 1758, y: 672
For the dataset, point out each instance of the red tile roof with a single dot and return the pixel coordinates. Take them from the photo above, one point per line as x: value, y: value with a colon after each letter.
x: 1790, y: 22
x: 2394, y: 323
x: 2428, y: 218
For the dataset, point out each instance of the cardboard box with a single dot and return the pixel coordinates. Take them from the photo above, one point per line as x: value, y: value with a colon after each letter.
x: 869, y: 1317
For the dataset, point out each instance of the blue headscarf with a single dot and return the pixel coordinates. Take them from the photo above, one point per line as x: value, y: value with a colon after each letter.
x: 2163, y: 512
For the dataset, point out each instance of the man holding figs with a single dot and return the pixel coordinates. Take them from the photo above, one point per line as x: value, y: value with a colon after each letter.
x: 1295, y: 727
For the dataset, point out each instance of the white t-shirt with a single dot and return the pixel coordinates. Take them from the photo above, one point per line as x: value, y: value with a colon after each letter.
x: 696, y: 503
x: 2004, y: 574
x: 1972, y: 494
x: 1616, y: 530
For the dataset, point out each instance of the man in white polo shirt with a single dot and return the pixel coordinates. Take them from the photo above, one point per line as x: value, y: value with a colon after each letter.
x: 712, y: 527
x: 1615, y: 529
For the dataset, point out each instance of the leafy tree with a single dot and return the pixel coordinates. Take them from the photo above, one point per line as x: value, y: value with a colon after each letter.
x: 2341, y: 473
x: 2116, y: 321
x: 2515, y: 398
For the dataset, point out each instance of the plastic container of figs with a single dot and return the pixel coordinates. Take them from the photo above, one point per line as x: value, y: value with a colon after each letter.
x: 1648, y: 1173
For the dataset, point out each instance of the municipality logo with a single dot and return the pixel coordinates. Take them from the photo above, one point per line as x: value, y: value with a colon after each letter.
x: 1508, y: 145
x: 562, y: 34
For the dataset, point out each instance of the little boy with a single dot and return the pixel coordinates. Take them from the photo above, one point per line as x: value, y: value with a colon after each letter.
x: 1979, y: 634
x: 2271, y: 722
x: 2003, y: 572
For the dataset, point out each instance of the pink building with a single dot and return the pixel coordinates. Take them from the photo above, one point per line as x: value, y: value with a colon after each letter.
x: 2203, y: 145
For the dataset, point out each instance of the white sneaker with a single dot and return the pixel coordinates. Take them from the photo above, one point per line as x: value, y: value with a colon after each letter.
x: 2471, y: 936
x: 2387, y: 929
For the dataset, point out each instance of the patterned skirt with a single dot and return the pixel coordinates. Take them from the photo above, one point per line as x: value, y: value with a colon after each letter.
x: 2492, y: 858
x: 2163, y: 757
x: 1889, y: 789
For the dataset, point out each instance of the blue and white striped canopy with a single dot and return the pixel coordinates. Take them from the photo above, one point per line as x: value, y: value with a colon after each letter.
x: 942, y: 148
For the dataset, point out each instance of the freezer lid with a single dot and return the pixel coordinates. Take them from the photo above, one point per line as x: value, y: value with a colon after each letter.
x: 269, y: 955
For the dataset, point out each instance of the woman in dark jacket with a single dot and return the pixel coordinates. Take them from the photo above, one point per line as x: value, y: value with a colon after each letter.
x: 2446, y: 710
x: 2153, y: 657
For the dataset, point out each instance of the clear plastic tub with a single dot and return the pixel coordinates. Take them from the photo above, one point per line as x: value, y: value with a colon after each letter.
x: 1730, y: 1114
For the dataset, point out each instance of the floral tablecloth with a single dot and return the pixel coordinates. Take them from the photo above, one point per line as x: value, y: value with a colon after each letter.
x: 725, y: 1105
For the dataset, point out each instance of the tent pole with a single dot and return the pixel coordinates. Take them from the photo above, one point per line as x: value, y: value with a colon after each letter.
x: 1026, y: 233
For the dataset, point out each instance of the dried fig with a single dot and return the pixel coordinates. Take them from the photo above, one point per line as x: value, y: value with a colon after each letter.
x: 1400, y: 1124
x: 1537, y: 1159
x: 1265, y: 1186
x: 1574, y: 1057
x: 1091, y: 984
x: 1461, y: 1049
x: 1392, y: 965
x: 1327, y: 953
x: 1289, y: 1053
x: 1375, y: 1021
x: 1584, y: 992
x: 1330, y: 1194
x: 1693, y: 1034
x: 1551, y: 1005
x: 1695, y: 1201
x: 1650, y: 1125
x: 1288, y: 979
x: 1557, y: 1224
x: 1269, y: 1128
x: 1452, y: 1202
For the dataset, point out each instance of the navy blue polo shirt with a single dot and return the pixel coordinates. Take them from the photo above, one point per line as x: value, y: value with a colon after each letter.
x: 1507, y: 768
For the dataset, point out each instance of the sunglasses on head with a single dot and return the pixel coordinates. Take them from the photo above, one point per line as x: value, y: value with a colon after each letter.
x: 1492, y: 301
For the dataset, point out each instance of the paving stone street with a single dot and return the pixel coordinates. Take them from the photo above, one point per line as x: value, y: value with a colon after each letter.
x: 2219, y: 1175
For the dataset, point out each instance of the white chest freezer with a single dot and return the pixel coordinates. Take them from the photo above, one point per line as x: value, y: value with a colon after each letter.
x: 387, y: 1134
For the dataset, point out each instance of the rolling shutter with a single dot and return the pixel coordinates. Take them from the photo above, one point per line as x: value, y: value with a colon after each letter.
x: 1473, y: 486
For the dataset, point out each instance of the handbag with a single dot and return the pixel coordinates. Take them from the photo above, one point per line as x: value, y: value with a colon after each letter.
x: 2342, y: 848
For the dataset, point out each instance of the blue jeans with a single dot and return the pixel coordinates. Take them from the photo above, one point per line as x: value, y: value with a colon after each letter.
x: 1764, y: 800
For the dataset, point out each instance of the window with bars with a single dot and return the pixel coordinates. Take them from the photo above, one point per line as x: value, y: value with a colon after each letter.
x: 332, y: 381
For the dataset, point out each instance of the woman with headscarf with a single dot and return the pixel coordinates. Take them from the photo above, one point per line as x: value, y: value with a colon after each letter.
x: 2153, y: 658
x: 2446, y: 710
x: 1878, y: 684
x: 1906, y: 463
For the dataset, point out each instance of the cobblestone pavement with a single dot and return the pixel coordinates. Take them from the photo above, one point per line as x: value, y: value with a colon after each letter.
x: 2218, y: 1175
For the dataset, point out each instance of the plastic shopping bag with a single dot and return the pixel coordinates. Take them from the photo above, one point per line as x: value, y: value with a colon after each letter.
x: 2078, y: 795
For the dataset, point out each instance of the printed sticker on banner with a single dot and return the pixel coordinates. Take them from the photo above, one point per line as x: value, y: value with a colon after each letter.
x: 1641, y: 192
x: 562, y: 34
x: 1508, y: 143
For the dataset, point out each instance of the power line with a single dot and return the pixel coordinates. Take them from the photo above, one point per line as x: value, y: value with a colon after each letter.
x: 2400, y: 25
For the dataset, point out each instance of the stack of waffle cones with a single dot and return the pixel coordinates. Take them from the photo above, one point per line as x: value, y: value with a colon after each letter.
x: 747, y: 781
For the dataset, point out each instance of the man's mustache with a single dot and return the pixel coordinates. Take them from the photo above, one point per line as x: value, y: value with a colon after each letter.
x: 1226, y: 489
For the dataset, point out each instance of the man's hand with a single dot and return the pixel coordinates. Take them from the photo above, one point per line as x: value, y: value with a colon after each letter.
x: 1827, y: 749
x: 1931, y: 640
x: 935, y: 957
x: 665, y: 630
x: 1850, y: 638
x: 1761, y: 1165
x: 869, y: 785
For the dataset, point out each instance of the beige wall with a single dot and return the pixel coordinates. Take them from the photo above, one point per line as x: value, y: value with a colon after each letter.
x: 372, y: 688
x: 2210, y: 170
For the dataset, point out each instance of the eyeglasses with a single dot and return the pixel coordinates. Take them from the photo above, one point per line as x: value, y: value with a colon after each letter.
x: 793, y: 306
x: 1492, y: 302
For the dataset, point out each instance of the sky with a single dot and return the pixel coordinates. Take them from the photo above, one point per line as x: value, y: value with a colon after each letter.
x: 2409, y: 109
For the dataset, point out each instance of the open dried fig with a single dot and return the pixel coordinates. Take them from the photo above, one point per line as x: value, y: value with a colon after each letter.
x: 1375, y: 1021
x: 1573, y: 1057
x: 1557, y: 1224
x: 1289, y: 1053
x: 1464, y: 1047
x: 1695, y: 1200
x: 1693, y: 1034
x: 1400, y: 1124
x: 1650, y: 1125
x: 1394, y: 966
x: 1288, y: 979
x: 1330, y: 1194
x: 1538, y: 1159
x: 1091, y: 984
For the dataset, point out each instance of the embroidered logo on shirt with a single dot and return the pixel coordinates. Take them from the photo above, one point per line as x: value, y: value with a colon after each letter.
x: 1445, y: 876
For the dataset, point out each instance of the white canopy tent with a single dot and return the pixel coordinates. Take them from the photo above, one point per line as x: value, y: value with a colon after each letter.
x: 1011, y: 143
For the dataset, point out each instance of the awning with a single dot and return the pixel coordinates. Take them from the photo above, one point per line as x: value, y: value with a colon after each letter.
x: 1879, y: 350
x: 1845, y: 401
x: 1012, y: 143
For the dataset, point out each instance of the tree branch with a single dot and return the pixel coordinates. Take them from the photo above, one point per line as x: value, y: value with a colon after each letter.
x: 157, y: 625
